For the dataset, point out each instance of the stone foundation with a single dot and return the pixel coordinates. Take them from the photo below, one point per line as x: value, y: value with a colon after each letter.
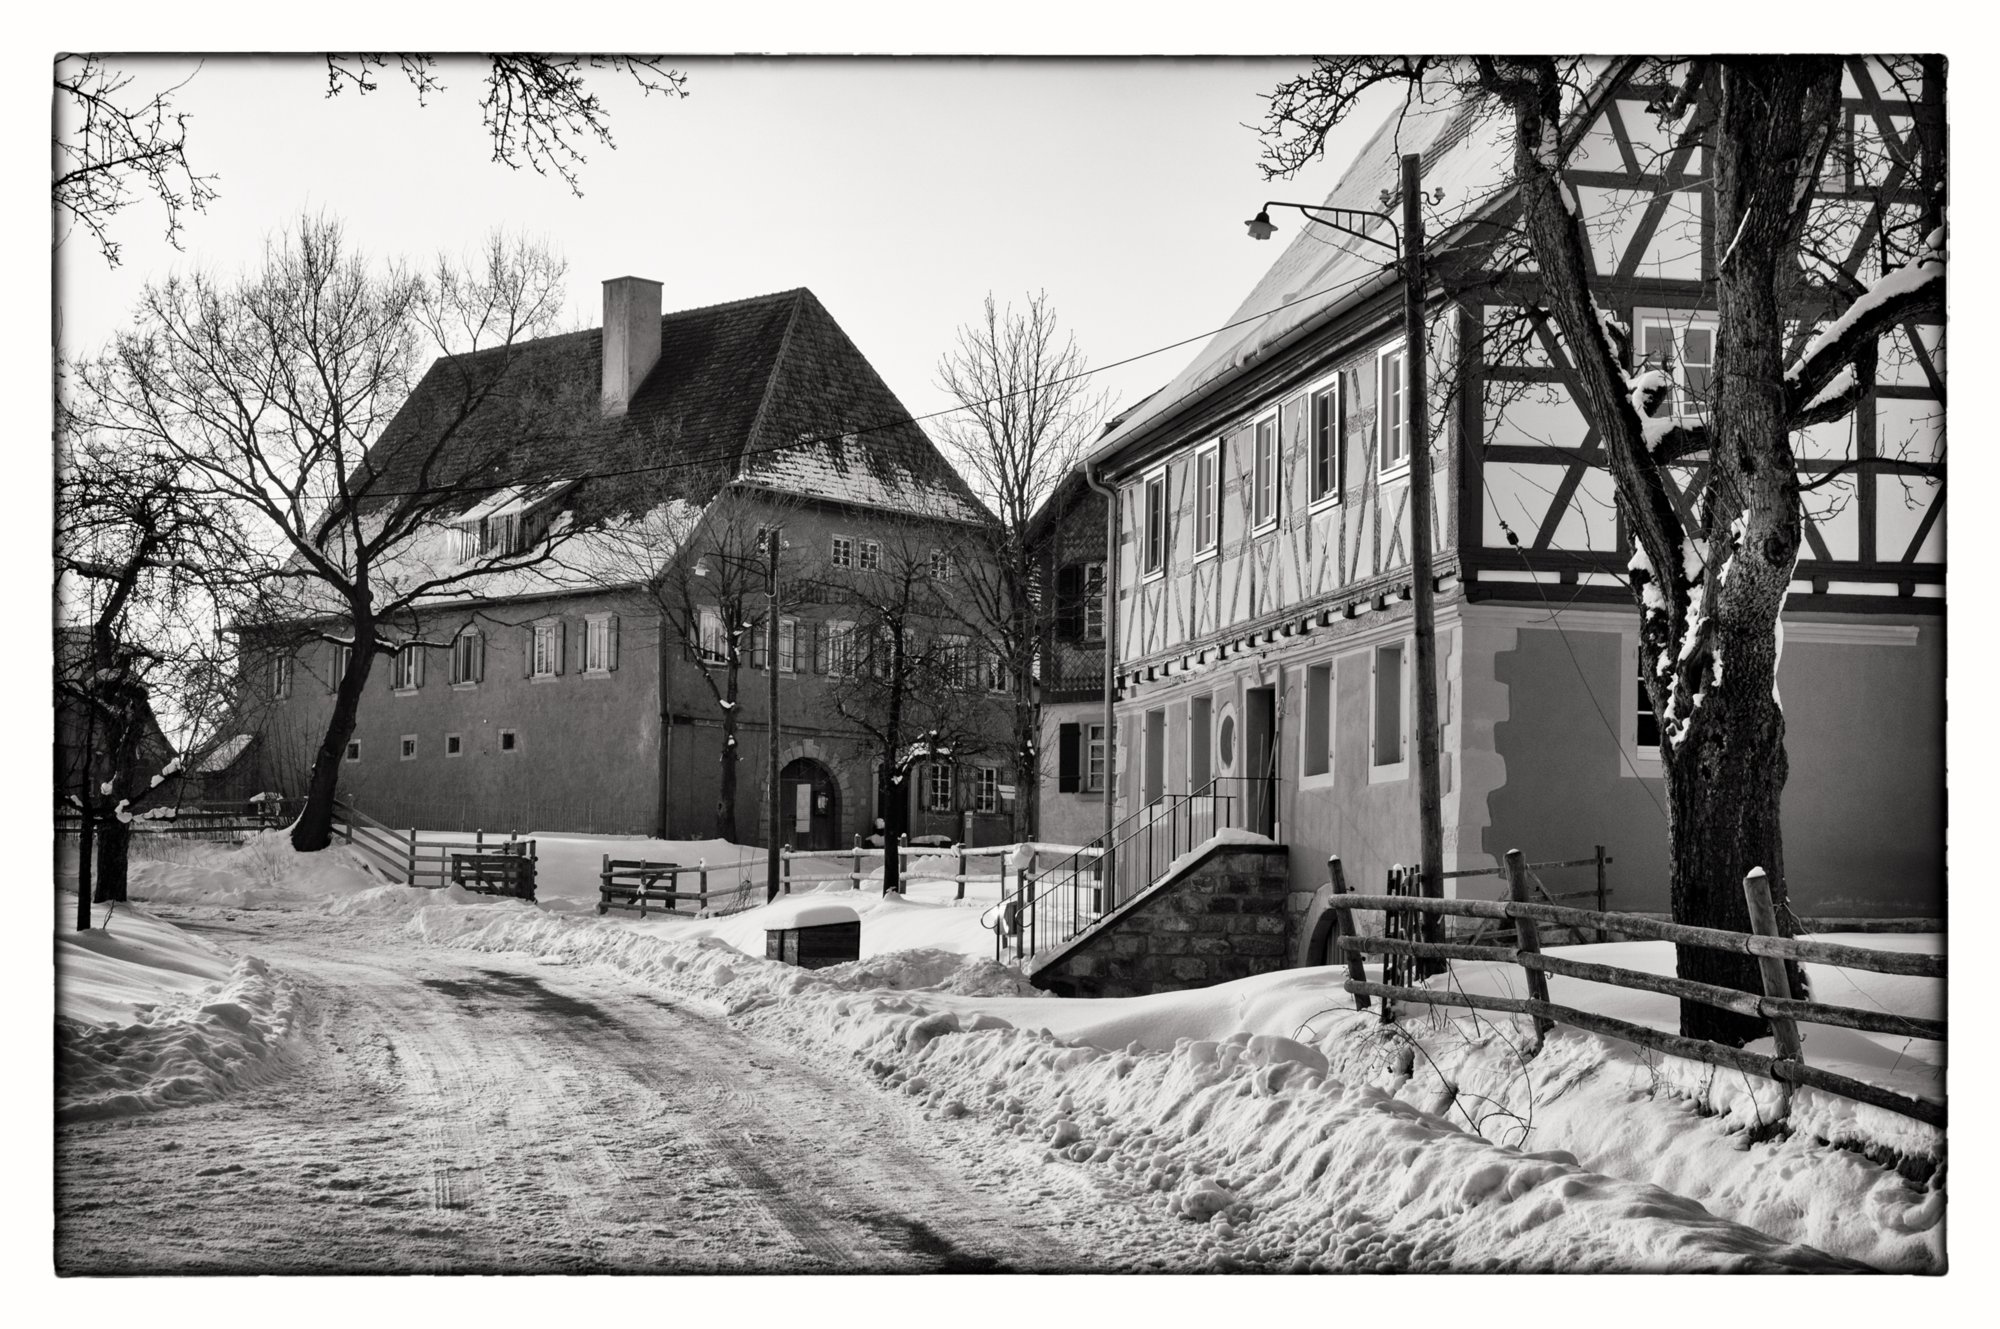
x: 1229, y: 914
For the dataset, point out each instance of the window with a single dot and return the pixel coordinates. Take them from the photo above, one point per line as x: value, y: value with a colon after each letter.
x: 1093, y: 602
x: 409, y: 747
x: 1323, y: 434
x: 788, y: 637
x: 839, y: 649
x: 942, y: 565
x: 509, y: 741
x: 1093, y: 758
x: 843, y: 551
x: 343, y: 656
x: 1317, y: 737
x: 468, y: 658
x: 281, y: 677
x: 986, y: 789
x: 1647, y: 735
x: 710, y: 645
x: 1682, y: 346
x: 497, y: 535
x: 1264, y: 477
x: 1388, y: 739
x: 996, y: 675
x: 600, y: 643
x: 1201, y: 721
x: 467, y: 533
x: 1207, y: 497
x: 546, y: 651
x: 954, y: 660
x: 1155, y: 530
x: 408, y: 674
x: 937, y: 787
x: 454, y: 745
x: 1392, y: 410
x: 354, y: 750
x: 871, y: 556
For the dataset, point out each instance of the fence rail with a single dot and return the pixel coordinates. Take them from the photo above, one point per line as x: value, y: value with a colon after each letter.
x: 1775, y: 1004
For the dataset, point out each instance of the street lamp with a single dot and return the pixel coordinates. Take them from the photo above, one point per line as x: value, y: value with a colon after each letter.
x: 1408, y: 244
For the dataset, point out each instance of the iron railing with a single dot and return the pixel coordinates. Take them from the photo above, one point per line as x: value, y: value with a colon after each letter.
x: 1054, y: 907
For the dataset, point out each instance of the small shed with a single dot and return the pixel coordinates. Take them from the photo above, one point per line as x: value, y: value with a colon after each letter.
x: 812, y: 934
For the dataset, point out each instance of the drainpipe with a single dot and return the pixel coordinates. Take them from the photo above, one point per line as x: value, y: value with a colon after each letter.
x: 1110, y: 657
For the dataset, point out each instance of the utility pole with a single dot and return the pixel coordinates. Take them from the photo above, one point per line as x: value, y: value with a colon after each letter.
x: 771, y: 861
x: 1415, y: 356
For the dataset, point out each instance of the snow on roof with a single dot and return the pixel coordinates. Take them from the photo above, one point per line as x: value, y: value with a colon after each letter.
x: 1466, y: 148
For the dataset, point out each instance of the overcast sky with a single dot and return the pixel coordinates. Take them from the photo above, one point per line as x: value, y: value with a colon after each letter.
x: 899, y: 191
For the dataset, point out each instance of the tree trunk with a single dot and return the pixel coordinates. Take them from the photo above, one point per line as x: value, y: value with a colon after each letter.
x: 313, y: 831
x: 725, y: 794
x: 85, y: 845
x: 895, y: 821
x: 114, y: 852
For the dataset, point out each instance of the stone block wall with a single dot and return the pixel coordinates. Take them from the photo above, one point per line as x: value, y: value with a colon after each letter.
x: 1229, y: 914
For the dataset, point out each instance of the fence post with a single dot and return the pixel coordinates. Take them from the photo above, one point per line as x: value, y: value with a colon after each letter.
x: 1601, y: 892
x: 1343, y: 926
x: 1393, y: 925
x: 785, y: 868
x: 1777, y: 983
x: 961, y: 870
x: 855, y: 880
x: 1528, y: 939
x: 413, y: 856
x: 902, y: 848
x: 478, y: 840
x: 1027, y: 925
x: 604, y: 885
x: 702, y: 882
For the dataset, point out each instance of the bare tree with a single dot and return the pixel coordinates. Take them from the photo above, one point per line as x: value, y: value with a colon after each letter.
x: 267, y: 394
x: 911, y: 681
x: 1709, y: 585
x: 117, y: 147
x: 113, y: 145
x: 143, y: 573
x: 1027, y: 414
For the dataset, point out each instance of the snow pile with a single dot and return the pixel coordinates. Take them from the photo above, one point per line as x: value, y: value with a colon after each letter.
x: 1300, y: 1132
x: 150, y: 1017
x: 264, y: 872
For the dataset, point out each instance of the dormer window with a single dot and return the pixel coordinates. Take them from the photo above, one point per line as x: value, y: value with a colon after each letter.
x: 1680, y: 344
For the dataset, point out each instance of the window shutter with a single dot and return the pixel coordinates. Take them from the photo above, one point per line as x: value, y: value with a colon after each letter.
x: 757, y: 630
x: 562, y: 643
x: 528, y: 652
x: 611, y: 644
x: 1069, y: 758
x: 479, y: 657
x: 1069, y: 602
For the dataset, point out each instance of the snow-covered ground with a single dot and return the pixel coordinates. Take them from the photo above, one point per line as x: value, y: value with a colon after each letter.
x: 1295, y: 1131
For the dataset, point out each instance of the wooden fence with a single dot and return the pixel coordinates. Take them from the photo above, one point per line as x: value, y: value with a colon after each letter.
x: 224, y: 823
x: 1775, y: 1004
x: 403, y: 855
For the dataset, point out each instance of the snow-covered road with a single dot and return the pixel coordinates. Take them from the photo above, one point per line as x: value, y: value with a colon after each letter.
x: 465, y: 1112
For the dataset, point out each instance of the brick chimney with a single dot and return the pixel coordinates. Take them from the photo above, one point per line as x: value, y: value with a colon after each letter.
x: 631, y: 338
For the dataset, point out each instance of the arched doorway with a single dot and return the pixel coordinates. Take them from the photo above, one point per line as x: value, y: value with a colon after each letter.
x: 809, y: 797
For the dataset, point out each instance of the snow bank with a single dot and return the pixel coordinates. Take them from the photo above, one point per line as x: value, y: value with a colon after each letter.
x: 264, y: 872
x: 150, y: 1017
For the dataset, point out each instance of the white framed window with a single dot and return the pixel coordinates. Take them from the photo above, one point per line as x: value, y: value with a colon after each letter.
x: 1680, y: 344
x: 1324, y: 481
x: 1392, y: 409
x: 843, y: 551
x: 938, y: 787
x: 343, y: 656
x: 281, y: 677
x: 354, y: 750
x: 546, y: 649
x: 454, y: 745
x: 995, y: 673
x: 1207, y: 498
x: 407, y: 674
x: 943, y: 567
x: 1264, y: 473
x: 986, y: 789
x: 468, y: 658
x: 1093, y: 602
x: 788, y: 638
x: 408, y: 747
x: 710, y: 642
x: 871, y: 555
x: 1316, y: 727
x: 1153, y: 529
x: 1389, y: 729
x: 510, y: 740
x: 1093, y: 758
x: 600, y: 643
x: 839, y: 637
x: 1639, y: 724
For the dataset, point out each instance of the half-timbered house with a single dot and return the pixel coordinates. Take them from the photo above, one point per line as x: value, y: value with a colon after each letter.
x: 1262, y: 622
